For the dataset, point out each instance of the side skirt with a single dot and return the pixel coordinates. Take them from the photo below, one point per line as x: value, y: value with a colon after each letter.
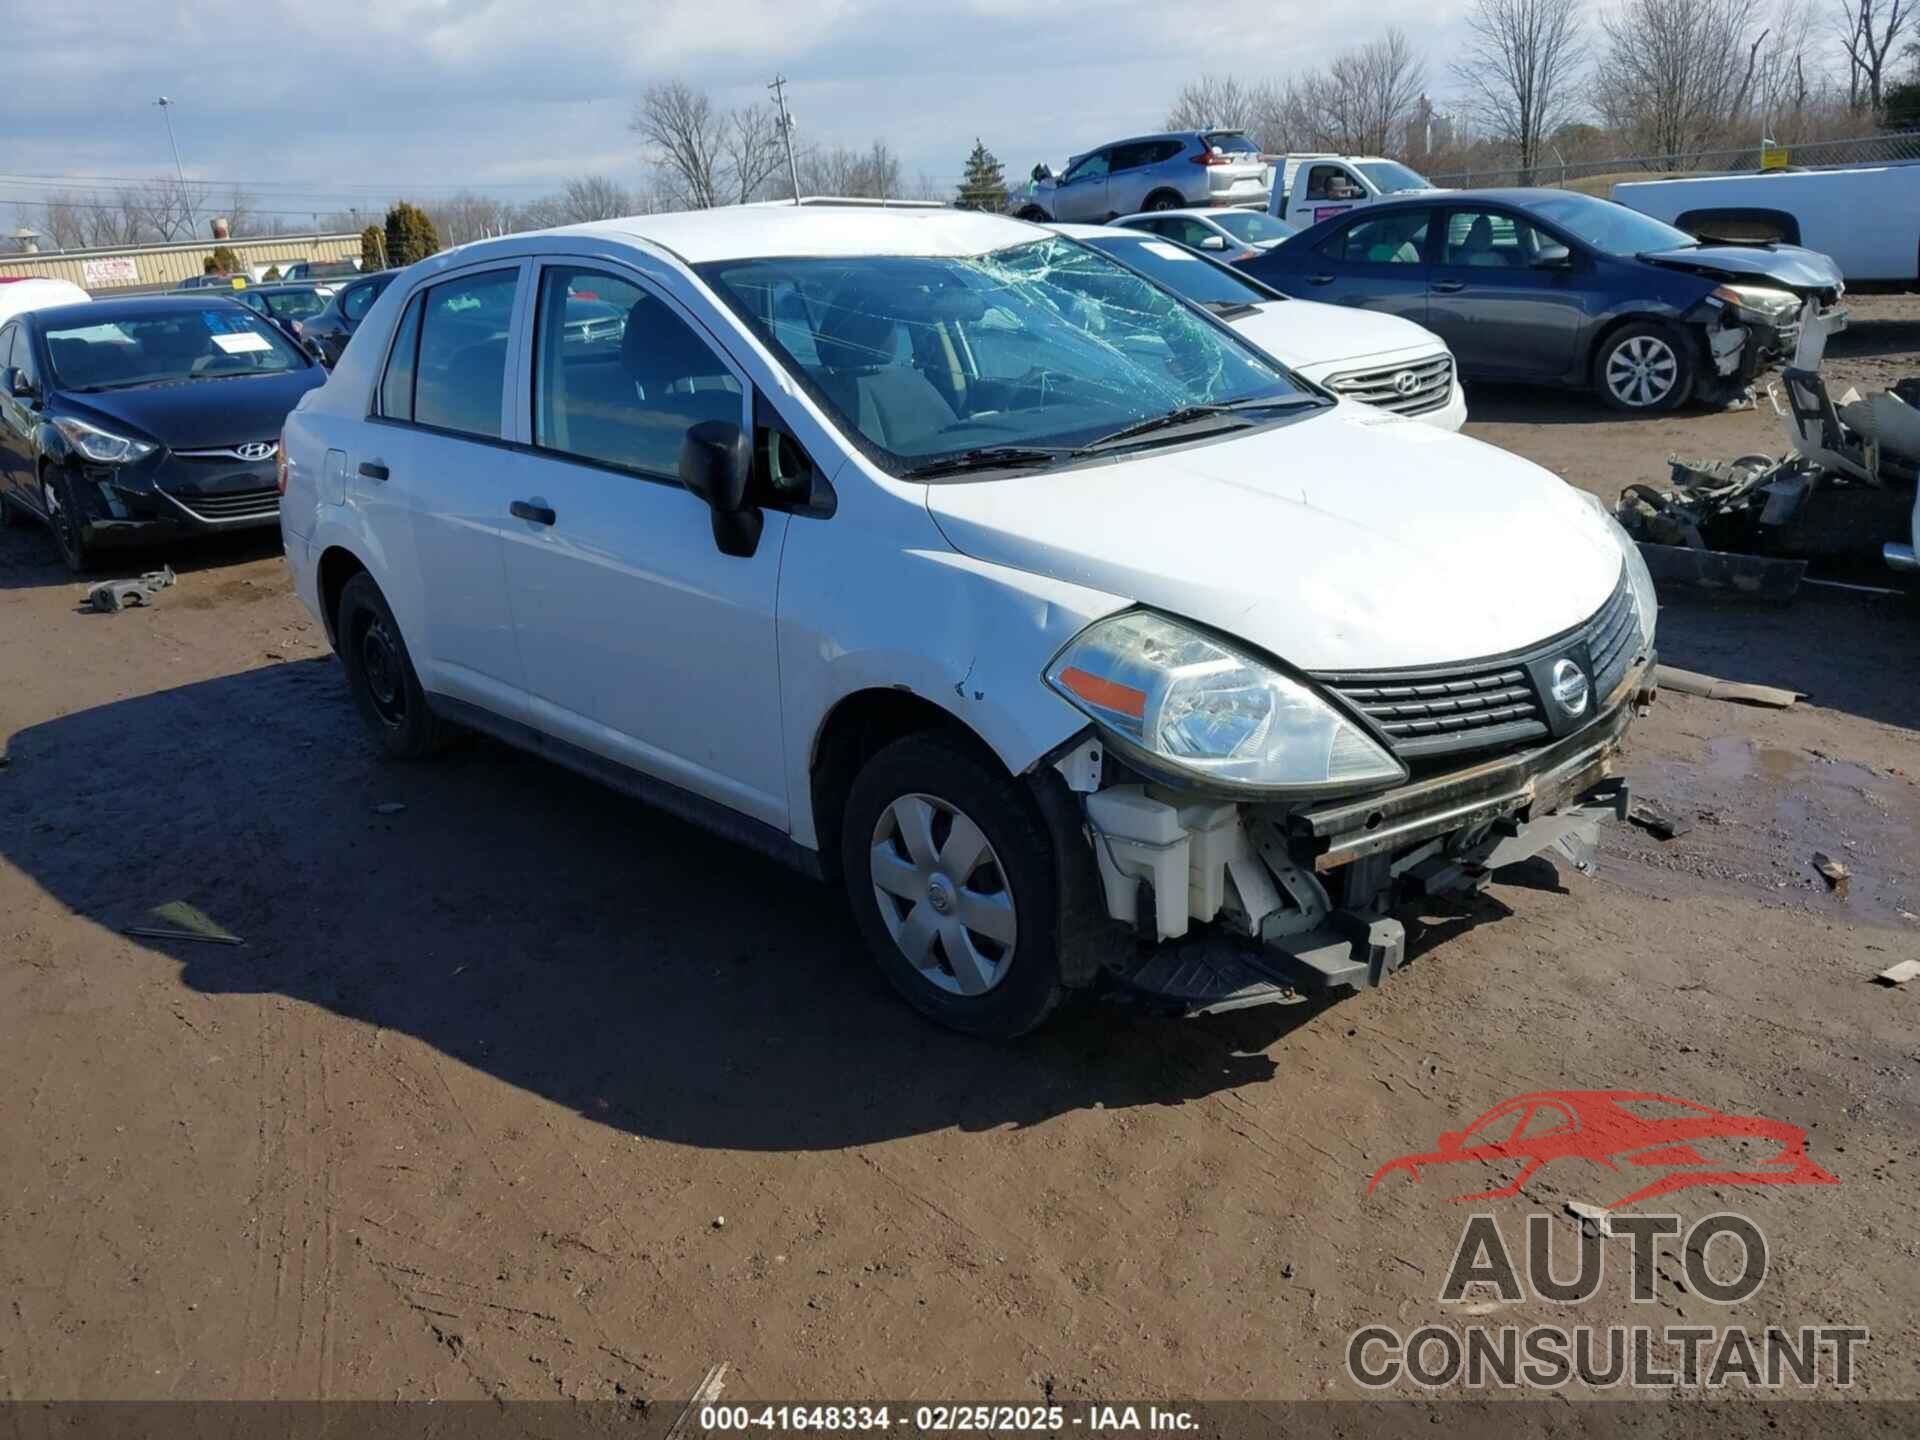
x: 661, y: 794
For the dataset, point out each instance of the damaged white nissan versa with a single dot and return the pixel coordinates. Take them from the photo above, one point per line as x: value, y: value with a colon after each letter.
x: 940, y: 554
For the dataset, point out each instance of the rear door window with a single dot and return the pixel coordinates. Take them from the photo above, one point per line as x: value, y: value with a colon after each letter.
x: 396, y: 386
x: 460, y: 376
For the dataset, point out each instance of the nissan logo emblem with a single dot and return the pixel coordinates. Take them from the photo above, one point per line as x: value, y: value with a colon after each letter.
x: 1406, y: 382
x: 1568, y: 684
x: 255, y: 450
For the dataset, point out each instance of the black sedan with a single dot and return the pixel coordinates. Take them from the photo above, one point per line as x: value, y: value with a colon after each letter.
x: 1550, y: 287
x: 285, y: 303
x: 327, y: 331
x: 123, y: 422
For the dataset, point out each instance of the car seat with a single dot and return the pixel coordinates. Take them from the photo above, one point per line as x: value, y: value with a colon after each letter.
x: 889, y: 401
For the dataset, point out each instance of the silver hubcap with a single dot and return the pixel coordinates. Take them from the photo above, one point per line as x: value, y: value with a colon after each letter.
x: 1643, y: 370
x: 943, y: 895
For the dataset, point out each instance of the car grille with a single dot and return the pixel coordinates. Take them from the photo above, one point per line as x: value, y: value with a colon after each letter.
x: 231, y: 506
x: 1430, y: 388
x: 1446, y: 709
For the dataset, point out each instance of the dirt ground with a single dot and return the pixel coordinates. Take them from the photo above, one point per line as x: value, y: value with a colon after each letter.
x: 465, y: 1114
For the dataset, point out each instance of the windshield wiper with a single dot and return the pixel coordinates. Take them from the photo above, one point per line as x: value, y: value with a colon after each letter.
x: 985, y: 457
x: 1188, y: 414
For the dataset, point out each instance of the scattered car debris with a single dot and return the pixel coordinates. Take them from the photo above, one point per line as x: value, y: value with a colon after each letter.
x: 704, y: 1394
x: 1692, y: 682
x: 389, y: 807
x: 111, y: 595
x: 182, y: 921
x: 1899, y: 974
x: 1833, y: 872
x: 150, y: 932
x: 1657, y: 823
x: 1753, y: 523
x: 1595, y: 1219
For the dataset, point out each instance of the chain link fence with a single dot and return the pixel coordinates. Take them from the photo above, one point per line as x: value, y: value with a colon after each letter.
x: 1816, y: 154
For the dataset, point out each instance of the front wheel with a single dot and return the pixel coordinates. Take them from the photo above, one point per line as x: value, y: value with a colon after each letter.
x: 1644, y: 368
x: 63, y: 519
x: 952, y: 879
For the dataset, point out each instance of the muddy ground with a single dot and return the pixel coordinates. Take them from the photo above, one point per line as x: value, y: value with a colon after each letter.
x: 464, y: 1114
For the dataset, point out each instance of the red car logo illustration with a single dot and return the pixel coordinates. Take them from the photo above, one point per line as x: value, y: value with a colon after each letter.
x: 1692, y: 1144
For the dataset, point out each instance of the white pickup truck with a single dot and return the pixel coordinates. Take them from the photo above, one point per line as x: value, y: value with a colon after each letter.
x: 1307, y: 188
x: 1866, y: 218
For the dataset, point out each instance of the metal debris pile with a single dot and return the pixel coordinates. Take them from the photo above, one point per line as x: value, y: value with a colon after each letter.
x: 1753, y: 523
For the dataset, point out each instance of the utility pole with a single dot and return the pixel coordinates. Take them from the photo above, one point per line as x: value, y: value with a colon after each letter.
x: 785, y: 125
x: 166, y: 114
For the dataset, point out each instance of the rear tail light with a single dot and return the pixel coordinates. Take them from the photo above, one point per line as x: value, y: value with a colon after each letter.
x: 1211, y: 157
x: 280, y: 466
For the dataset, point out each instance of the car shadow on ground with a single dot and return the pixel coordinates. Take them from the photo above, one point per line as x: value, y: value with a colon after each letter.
x: 1843, y: 650
x: 546, y: 931
x: 29, y: 559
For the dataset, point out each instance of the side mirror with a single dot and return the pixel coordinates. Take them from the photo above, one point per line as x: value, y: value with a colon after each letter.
x: 1553, y: 257
x: 1042, y: 171
x: 1214, y: 242
x: 18, y: 385
x: 716, y: 464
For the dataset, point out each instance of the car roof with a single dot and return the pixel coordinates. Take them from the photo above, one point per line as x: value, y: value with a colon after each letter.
x: 1195, y: 212
x: 1518, y: 195
x: 741, y: 232
x: 105, y: 312
x: 1075, y: 231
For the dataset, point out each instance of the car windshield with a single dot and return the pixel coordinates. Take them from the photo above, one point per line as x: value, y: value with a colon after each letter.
x: 155, y: 347
x: 1610, y: 228
x: 1181, y: 271
x: 1046, y: 344
x: 1390, y: 177
x: 1251, y: 226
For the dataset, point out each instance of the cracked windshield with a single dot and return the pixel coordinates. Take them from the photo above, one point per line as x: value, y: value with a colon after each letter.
x: 1027, y: 355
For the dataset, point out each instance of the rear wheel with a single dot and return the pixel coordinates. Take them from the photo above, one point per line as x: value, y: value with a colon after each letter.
x: 381, y: 675
x: 1644, y: 368
x: 951, y: 877
x: 1165, y: 200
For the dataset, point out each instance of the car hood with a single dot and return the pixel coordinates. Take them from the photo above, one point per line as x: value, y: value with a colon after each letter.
x: 1349, y: 540
x: 1310, y: 337
x: 205, y: 414
x: 1790, y: 265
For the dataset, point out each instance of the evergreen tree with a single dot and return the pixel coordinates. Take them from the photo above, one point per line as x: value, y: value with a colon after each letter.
x: 373, y: 248
x: 410, y: 234
x: 222, y: 261
x: 984, y: 185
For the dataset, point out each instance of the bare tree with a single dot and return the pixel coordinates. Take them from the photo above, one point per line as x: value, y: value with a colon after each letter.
x: 1516, y: 69
x: 1219, y: 101
x: 1362, y: 102
x: 1869, y: 31
x: 707, y: 156
x: 1678, y: 75
x: 872, y: 174
x: 593, y: 197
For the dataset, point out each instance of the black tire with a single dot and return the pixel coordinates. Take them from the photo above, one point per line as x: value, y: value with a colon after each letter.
x: 1668, y: 357
x: 63, y: 524
x: 10, y: 517
x: 1165, y: 200
x: 1019, y: 863
x: 381, y: 675
x: 1035, y: 214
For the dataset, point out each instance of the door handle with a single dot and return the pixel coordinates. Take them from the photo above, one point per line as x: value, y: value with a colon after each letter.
x: 1449, y: 287
x: 527, y: 510
x: 373, y: 470
x: 1319, y: 279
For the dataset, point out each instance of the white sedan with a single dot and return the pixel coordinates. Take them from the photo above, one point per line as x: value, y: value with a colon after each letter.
x: 1379, y: 360
x: 1233, y: 234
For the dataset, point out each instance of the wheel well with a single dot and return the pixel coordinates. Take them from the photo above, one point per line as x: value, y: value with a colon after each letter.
x: 857, y: 729
x: 337, y: 567
x: 1178, y: 199
x: 1033, y: 212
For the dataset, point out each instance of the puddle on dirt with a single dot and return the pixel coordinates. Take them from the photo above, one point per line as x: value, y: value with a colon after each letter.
x: 1759, y: 814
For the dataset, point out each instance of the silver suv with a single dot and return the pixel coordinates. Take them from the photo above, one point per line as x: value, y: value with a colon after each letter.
x: 1150, y: 172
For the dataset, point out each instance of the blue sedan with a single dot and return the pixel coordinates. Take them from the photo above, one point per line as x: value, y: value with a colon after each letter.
x: 1550, y: 287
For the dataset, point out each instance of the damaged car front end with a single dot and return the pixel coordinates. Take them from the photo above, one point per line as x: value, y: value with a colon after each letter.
x: 1254, y: 827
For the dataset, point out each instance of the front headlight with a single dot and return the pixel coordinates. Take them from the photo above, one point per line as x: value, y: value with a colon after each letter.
x: 1646, y: 604
x: 1776, y: 307
x: 1189, y: 701
x: 102, y: 447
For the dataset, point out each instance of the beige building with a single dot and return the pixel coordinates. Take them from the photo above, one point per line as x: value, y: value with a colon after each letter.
x: 160, y: 267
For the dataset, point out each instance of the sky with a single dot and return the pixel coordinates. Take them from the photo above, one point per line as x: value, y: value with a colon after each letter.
x: 320, y: 104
